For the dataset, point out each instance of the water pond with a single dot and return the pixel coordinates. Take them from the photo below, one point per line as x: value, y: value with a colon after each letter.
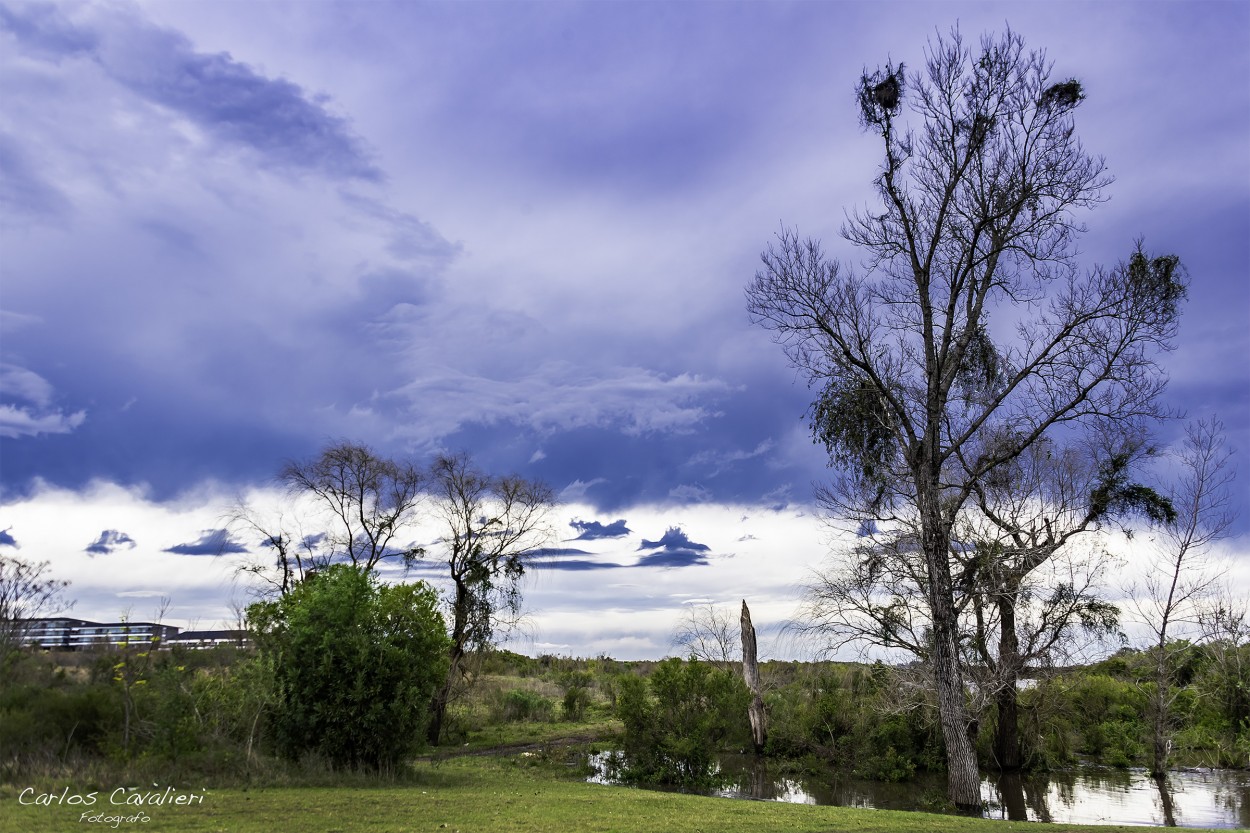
x: 1191, y: 798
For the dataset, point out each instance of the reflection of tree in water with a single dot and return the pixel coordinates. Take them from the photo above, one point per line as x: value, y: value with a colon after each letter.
x: 1010, y: 786
x: 1230, y: 793
x: 1219, y: 798
x: 1165, y: 799
x: 1065, y: 788
x: 1036, y: 790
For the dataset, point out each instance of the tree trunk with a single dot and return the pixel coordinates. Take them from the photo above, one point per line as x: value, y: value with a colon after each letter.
x: 1165, y: 799
x: 751, y: 674
x: 459, y: 638
x: 1162, y: 741
x: 1007, y: 734
x: 438, y: 708
x: 1011, y: 791
x: 963, y: 778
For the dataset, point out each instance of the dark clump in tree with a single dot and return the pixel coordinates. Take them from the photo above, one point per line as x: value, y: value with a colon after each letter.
x: 355, y: 666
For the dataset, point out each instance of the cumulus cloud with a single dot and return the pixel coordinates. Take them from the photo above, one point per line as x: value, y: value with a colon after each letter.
x: 556, y: 396
x: 674, y: 549
x: 592, y: 530
x: 211, y: 542
x: 109, y: 541
x: 35, y: 415
x: 673, y: 539
x: 23, y: 422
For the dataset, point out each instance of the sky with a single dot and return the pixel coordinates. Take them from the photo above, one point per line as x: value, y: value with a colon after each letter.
x: 233, y: 233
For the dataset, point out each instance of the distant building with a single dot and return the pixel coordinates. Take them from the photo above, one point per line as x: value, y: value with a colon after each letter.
x: 207, y: 639
x: 67, y: 634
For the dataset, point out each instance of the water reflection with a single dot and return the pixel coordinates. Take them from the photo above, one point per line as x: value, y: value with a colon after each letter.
x: 1192, y: 798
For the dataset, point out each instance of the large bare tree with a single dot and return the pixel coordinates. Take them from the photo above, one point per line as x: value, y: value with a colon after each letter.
x: 970, y: 332
x: 350, y: 504
x: 490, y: 527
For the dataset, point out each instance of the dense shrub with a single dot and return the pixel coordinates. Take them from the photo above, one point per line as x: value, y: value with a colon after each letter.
x: 854, y: 717
x: 522, y: 705
x: 355, y: 665
x: 678, y: 719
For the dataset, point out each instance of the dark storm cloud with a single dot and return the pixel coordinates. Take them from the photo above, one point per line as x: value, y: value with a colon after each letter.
x: 211, y: 542
x: 43, y: 29
x: 555, y: 558
x: 676, y: 557
x: 593, y: 530
x: 674, y: 549
x: 673, y: 539
x: 7, y: 539
x: 554, y: 551
x: 110, y: 540
x: 278, y: 311
x: 22, y: 189
x: 226, y: 98
x: 576, y: 565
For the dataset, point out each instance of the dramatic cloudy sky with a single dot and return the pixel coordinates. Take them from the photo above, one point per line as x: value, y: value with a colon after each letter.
x: 232, y: 232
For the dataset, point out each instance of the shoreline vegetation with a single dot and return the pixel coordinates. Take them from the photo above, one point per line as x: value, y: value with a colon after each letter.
x: 486, y: 793
x: 515, y: 757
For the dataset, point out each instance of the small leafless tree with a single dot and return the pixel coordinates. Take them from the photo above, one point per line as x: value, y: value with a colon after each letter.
x: 1179, y: 576
x: 708, y: 633
x: 349, y: 504
x: 26, y: 592
x: 490, y: 526
x: 1224, y: 625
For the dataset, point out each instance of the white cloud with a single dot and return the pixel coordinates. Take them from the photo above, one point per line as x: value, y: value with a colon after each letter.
x: 576, y: 491
x: 24, y: 384
x: 689, y: 493
x: 23, y: 422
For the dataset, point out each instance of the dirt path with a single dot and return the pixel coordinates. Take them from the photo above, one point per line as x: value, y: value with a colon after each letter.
x: 501, y: 750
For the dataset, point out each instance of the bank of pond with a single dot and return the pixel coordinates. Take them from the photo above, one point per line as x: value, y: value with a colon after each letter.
x: 1210, y: 798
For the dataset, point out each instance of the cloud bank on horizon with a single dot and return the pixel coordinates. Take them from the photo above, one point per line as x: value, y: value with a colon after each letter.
x: 523, y: 230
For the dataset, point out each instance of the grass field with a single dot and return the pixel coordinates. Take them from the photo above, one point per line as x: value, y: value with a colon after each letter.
x: 482, y: 794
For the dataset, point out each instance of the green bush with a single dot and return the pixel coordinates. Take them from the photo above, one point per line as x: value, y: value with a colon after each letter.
x: 521, y: 705
x: 678, y: 719
x: 355, y: 666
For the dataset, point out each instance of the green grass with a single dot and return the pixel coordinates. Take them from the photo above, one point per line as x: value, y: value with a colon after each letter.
x: 485, y: 795
x: 596, y: 726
